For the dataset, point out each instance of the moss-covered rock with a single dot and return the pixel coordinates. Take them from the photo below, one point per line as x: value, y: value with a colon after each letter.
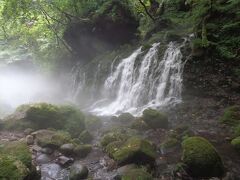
x: 237, y: 131
x: 126, y: 117
x: 92, y: 122
x: 201, y: 158
x: 85, y: 137
x: 231, y: 116
x: 112, y: 137
x: 155, y: 119
x: 51, y: 138
x: 16, y: 161
x: 236, y: 143
x: 82, y: 150
x: 169, y: 144
x: 43, y: 115
x: 139, y: 125
x: 136, y: 174
x: 135, y: 150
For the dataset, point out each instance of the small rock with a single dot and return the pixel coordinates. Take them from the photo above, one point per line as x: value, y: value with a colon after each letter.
x: 29, y: 139
x: 64, y: 161
x: 43, y: 159
x: 67, y: 149
x: 47, y: 150
x: 78, y: 171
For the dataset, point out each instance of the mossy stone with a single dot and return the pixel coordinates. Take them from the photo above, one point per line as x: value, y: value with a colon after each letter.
x: 92, y: 122
x: 136, y: 174
x: 82, y: 150
x: 113, y: 136
x: 231, y: 116
x: 139, y: 125
x: 85, y: 137
x: 135, y: 150
x: 155, y: 119
x: 201, y: 158
x: 126, y: 117
x: 236, y: 143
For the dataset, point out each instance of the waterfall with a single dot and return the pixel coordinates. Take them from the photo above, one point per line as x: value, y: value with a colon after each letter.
x: 154, y: 83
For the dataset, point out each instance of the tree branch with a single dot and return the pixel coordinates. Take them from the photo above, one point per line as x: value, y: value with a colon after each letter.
x: 146, y: 10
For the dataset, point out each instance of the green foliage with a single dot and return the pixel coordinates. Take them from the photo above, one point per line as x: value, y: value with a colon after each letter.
x: 236, y: 143
x: 137, y: 174
x: 201, y: 158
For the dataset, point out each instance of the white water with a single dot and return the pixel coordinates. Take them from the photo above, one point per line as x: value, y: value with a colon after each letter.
x: 155, y: 83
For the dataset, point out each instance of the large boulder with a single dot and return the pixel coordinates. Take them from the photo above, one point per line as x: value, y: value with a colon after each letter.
x: 201, y: 158
x: 43, y: 115
x: 135, y: 150
x: 155, y: 119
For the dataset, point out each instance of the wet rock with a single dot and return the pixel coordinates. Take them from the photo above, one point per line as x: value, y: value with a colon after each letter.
x: 135, y: 150
x: 78, y: 171
x: 139, y: 125
x: 29, y: 139
x: 65, y: 161
x: 169, y: 145
x: 137, y: 173
x: 201, y: 158
x: 47, y: 150
x: 43, y: 159
x: 85, y: 137
x: 53, y: 171
x: 82, y: 150
x: 67, y: 149
x: 126, y: 118
x: 155, y: 119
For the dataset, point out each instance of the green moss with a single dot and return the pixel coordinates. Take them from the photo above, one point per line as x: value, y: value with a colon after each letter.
x: 169, y: 143
x: 155, y: 119
x: 72, y: 120
x: 92, y: 122
x: 112, y: 147
x: 201, y: 158
x: 113, y: 136
x: 13, y: 169
x: 140, y: 125
x: 85, y: 137
x: 237, y: 131
x: 137, y: 174
x: 231, y: 116
x: 82, y: 150
x: 126, y: 117
x: 236, y: 143
x: 135, y: 150
x: 52, y: 138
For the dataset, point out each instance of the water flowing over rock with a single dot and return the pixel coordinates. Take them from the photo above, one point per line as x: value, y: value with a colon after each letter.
x: 154, y: 83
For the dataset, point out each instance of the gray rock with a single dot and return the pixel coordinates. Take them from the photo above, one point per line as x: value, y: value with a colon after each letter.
x: 43, y: 159
x: 67, y: 149
x: 29, y: 139
x: 47, y: 150
x: 122, y: 170
x: 64, y: 161
x: 28, y: 131
x: 78, y: 171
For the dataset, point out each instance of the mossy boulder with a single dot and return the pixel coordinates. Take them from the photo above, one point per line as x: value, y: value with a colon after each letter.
x: 136, y: 174
x: 201, y: 158
x: 231, y: 116
x: 126, y: 117
x: 43, y: 115
x: 51, y: 138
x: 16, y: 161
x: 155, y: 119
x: 237, y: 131
x: 82, y: 150
x: 85, y: 137
x: 92, y: 122
x: 139, y: 125
x: 135, y: 150
x: 112, y: 137
x: 169, y: 144
x: 236, y: 143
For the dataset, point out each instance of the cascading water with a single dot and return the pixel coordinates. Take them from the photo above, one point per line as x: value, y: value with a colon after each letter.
x: 152, y: 84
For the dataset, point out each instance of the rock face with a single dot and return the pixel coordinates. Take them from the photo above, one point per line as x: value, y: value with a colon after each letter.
x: 155, y: 119
x: 78, y: 171
x: 201, y: 158
x: 135, y: 150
